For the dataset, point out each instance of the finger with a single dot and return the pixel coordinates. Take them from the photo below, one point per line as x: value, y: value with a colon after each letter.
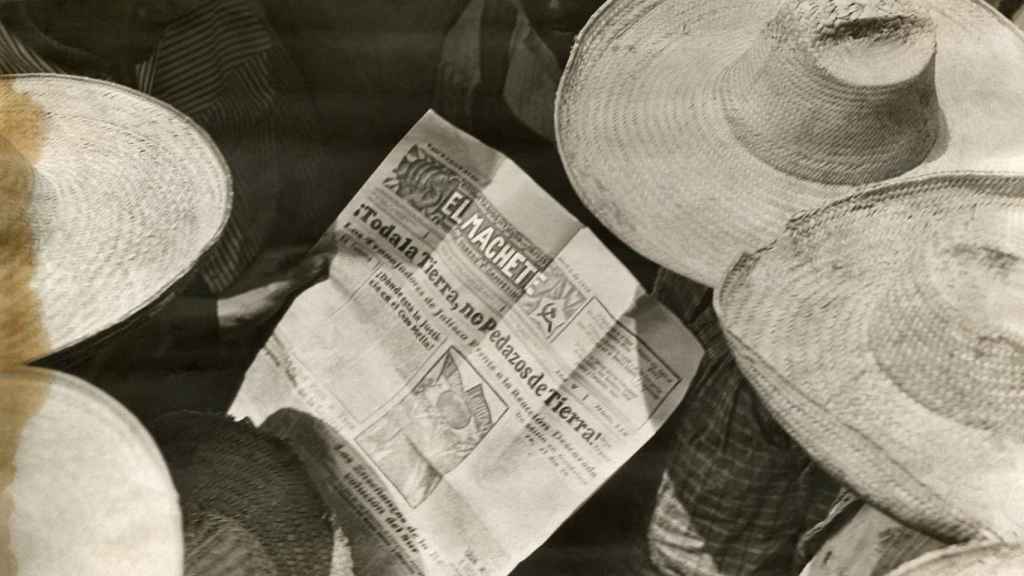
x: 278, y: 259
x: 309, y: 271
x: 329, y: 243
x: 314, y: 269
x: 270, y: 266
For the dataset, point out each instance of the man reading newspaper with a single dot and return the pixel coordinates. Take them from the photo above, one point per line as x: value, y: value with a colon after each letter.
x: 477, y: 364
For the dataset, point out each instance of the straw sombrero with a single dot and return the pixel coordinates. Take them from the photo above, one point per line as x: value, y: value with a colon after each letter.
x: 83, y: 489
x: 108, y: 198
x: 695, y: 128
x: 976, y: 559
x: 886, y: 333
x: 249, y: 505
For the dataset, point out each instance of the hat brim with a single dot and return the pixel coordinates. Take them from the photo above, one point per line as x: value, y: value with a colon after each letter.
x: 798, y: 316
x: 128, y: 196
x: 646, y: 145
x: 247, y: 498
x: 90, y: 494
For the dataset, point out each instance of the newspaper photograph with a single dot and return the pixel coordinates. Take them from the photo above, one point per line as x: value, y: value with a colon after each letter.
x: 475, y: 366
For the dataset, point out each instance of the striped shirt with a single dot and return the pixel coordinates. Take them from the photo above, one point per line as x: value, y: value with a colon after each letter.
x: 222, y: 65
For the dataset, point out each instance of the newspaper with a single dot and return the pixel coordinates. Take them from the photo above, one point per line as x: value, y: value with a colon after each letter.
x: 477, y: 364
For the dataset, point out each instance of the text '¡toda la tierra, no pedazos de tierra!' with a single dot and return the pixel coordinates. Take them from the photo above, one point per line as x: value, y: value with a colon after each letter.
x: 554, y: 400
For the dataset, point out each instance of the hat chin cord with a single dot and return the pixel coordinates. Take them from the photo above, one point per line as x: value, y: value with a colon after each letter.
x: 837, y: 91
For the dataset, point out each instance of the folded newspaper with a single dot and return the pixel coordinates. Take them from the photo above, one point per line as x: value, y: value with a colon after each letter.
x: 476, y: 365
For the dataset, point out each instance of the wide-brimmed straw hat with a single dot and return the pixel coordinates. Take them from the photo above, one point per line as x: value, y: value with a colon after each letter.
x: 250, y: 507
x: 694, y: 129
x: 108, y: 199
x: 83, y: 489
x: 886, y: 333
x: 977, y: 559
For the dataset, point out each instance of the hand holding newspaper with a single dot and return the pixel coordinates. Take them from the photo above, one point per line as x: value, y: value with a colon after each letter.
x: 476, y: 365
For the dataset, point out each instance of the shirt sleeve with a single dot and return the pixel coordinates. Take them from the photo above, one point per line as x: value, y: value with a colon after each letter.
x: 224, y: 67
x: 738, y: 492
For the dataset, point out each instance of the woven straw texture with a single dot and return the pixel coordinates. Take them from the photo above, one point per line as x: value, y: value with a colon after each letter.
x: 83, y: 489
x: 249, y: 506
x: 694, y: 129
x: 124, y: 195
x: 886, y: 333
x: 986, y: 559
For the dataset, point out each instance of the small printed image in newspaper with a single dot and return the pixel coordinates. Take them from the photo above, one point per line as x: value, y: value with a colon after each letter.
x: 475, y: 366
x: 439, y: 422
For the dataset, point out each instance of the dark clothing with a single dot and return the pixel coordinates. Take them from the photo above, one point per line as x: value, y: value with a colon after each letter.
x: 739, y: 496
x: 222, y: 65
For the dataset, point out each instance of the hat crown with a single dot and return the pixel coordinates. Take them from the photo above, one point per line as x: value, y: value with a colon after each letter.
x: 860, y: 43
x: 951, y: 332
x: 837, y: 91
